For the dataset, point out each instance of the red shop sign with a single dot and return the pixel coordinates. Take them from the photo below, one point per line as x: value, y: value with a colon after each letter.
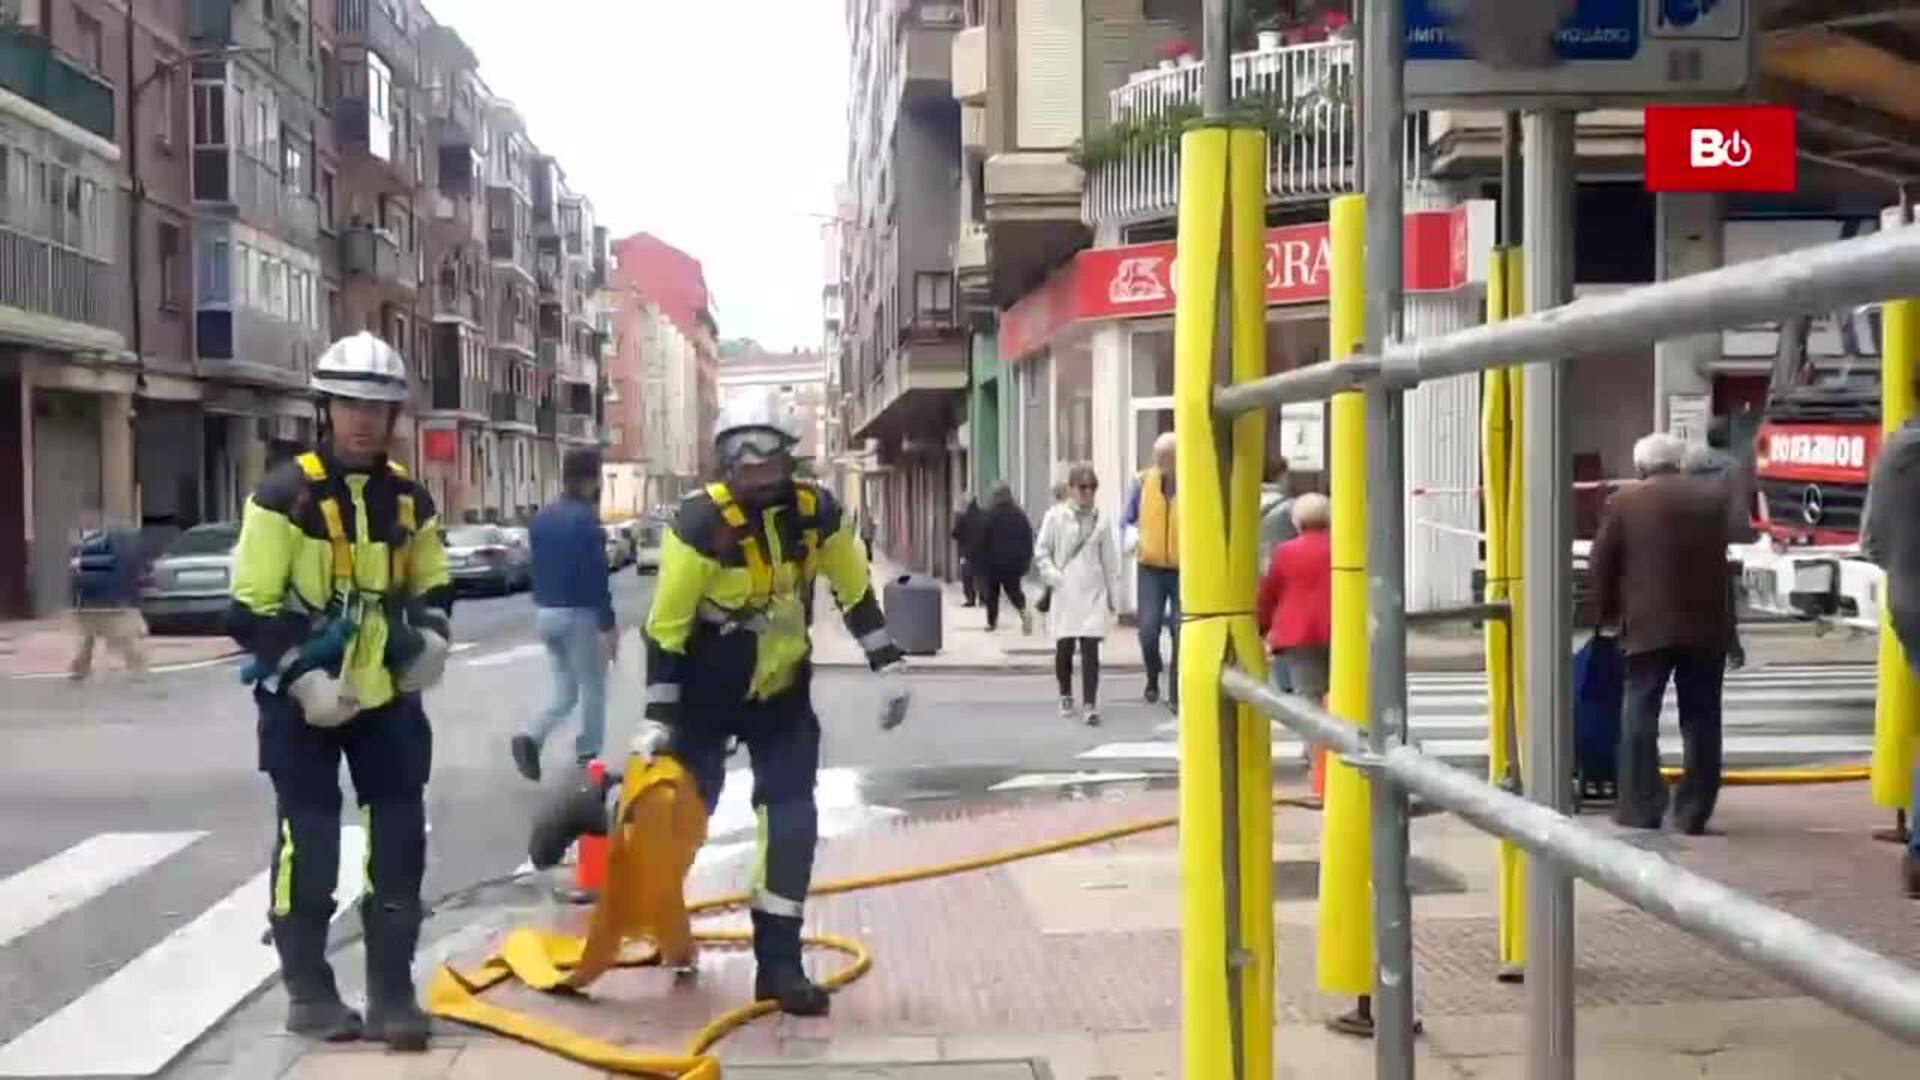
x: 440, y: 445
x: 1137, y: 280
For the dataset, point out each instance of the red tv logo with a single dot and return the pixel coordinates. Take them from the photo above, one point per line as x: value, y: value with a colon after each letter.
x: 1722, y: 148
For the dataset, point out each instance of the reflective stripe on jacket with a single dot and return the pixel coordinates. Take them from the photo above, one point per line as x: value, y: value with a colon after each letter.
x: 289, y: 571
x: 734, y: 596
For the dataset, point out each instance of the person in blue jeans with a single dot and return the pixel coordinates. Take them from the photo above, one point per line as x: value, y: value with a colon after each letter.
x: 1152, y: 534
x: 574, y: 616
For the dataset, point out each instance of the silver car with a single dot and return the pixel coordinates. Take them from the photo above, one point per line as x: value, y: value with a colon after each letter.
x: 485, y: 558
x: 187, y: 588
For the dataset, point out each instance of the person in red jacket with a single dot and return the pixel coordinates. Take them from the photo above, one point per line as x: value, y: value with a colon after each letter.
x: 1296, y: 599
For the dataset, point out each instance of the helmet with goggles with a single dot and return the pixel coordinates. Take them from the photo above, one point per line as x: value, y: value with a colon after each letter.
x: 753, y: 431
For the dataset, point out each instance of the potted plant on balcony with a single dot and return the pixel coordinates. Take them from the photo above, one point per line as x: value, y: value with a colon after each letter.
x: 1178, y: 53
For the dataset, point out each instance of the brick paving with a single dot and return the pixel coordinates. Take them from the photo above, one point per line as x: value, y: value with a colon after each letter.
x: 1075, y: 957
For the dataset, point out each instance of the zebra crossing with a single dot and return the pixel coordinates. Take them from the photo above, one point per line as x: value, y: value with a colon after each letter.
x: 136, y: 1019
x: 1780, y: 715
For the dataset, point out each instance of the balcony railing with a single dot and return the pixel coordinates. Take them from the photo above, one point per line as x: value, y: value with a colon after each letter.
x: 31, y: 69
x: 1304, y: 94
x: 374, y: 253
x: 576, y: 426
x: 452, y: 301
x: 512, y: 333
x: 39, y: 276
x: 371, y: 23
x: 353, y: 127
x: 512, y: 409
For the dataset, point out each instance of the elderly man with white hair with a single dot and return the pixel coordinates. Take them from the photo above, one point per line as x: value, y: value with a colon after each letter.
x: 1153, y: 532
x: 1659, y: 569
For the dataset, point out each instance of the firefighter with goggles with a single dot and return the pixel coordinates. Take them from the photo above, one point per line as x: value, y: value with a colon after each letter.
x: 729, y: 659
x: 341, y: 595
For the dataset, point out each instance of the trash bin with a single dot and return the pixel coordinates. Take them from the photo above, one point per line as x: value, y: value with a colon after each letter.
x: 913, y: 605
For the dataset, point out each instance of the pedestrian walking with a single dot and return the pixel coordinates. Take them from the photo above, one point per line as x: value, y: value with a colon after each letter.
x: 1276, y: 528
x: 341, y: 593
x: 866, y: 532
x: 969, y: 533
x: 1006, y: 555
x: 1078, y: 561
x: 1890, y: 536
x: 1296, y: 601
x: 1659, y: 576
x: 573, y: 601
x: 105, y: 568
x: 1153, y: 532
x: 1715, y: 463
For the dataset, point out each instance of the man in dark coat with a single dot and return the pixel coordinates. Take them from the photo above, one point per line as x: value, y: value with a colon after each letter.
x: 1659, y: 568
x: 1888, y: 536
x: 969, y: 533
x: 1006, y: 553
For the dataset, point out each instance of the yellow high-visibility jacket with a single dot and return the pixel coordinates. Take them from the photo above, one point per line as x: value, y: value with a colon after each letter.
x: 734, y: 599
x: 316, y: 537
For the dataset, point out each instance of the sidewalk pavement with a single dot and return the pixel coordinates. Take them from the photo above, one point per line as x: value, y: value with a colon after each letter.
x: 44, y: 647
x: 966, y: 645
x: 1073, y: 960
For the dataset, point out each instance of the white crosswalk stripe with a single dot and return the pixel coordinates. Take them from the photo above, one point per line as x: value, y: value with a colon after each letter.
x: 139, y: 1018
x: 1789, y: 714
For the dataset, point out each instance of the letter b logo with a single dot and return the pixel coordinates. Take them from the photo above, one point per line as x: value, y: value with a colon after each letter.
x: 1709, y: 148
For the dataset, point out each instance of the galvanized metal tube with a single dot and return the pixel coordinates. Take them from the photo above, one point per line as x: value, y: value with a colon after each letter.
x: 1216, y: 58
x: 1830, y: 277
x: 1315, y: 382
x: 1383, y: 138
x: 1547, y: 612
x: 1853, y: 979
x: 1462, y: 613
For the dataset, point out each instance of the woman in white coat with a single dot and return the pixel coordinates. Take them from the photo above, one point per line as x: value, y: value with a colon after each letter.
x: 1078, y: 561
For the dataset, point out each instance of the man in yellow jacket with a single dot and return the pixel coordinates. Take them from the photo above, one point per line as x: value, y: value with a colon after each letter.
x: 729, y: 658
x: 342, y: 596
x: 1153, y: 535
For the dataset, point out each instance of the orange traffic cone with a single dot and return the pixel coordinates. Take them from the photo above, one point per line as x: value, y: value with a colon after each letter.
x: 590, y: 872
x: 1318, y: 775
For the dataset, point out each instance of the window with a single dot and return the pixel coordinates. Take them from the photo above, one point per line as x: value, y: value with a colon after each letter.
x: 329, y: 78
x: 326, y: 199
x: 209, y: 114
x: 213, y: 270
x: 87, y: 30
x: 168, y: 245
x: 294, y: 164
x: 163, y: 100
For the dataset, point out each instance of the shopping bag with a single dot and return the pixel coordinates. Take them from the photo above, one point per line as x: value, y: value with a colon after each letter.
x: 1599, y: 693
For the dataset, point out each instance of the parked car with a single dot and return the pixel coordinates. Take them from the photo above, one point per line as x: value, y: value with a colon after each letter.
x: 522, y: 541
x: 646, y: 546
x: 483, y: 558
x: 186, y: 590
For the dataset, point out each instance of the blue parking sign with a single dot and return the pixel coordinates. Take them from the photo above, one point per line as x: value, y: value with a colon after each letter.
x: 1598, y: 30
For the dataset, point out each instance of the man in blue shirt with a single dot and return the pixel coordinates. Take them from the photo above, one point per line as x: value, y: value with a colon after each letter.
x: 575, y: 612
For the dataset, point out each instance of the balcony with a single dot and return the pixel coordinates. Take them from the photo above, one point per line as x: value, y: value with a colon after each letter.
x: 457, y: 220
x: 253, y: 192
x: 48, y: 279
x: 373, y: 24
x: 512, y: 412
x: 972, y: 268
x: 544, y: 420
x: 31, y: 69
x: 252, y: 347
x: 512, y: 335
x: 930, y: 30
x: 453, y: 303
x: 1304, y: 95
x: 375, y: 254
x: 914, y: 390
x: 577, y: 428
x: 373, y: 140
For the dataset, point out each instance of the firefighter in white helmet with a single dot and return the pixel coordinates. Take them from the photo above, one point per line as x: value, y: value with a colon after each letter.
x: 729, y: 657
x: 342, y: 596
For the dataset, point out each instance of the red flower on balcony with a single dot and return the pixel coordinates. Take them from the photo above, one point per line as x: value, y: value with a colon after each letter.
x: 1177, y: 48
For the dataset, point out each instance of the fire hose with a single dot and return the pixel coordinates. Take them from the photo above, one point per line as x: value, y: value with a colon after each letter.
x: 557, y: 962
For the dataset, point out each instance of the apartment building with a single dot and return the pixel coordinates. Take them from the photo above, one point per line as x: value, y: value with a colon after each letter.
x: 673, y: 313
x: 906, y: 367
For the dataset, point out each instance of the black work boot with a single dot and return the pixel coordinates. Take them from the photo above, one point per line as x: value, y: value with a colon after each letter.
x: 778, y: 974
x: 314, y: 1008
x: 393, y: 1014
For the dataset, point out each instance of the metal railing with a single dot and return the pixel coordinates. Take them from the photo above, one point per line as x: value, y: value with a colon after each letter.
x: 1225, y: 767
x: 1302, y: 92
x: 41, y: 276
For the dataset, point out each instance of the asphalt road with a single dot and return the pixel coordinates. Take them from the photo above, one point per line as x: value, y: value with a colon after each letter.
x: 134, y: 825
x: 135, y: 829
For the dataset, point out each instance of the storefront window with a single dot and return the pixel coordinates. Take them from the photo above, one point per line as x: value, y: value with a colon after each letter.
x: 1073, y: 418
x: 1153, y: 362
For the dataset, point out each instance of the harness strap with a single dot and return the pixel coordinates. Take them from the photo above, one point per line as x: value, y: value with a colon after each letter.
x: 316, y: 471
x: 759, y: 569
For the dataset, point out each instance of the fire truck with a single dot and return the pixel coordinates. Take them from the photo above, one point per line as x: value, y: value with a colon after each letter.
x: 1813, y: 454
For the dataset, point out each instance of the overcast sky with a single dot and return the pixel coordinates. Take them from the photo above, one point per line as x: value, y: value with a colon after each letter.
x: 717, y: 125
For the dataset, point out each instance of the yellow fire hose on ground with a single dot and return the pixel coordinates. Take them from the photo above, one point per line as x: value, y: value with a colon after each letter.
x: 641, y: 905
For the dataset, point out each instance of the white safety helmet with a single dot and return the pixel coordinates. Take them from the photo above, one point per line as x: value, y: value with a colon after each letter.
x: 753, y: 431
x: 361, y: 366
